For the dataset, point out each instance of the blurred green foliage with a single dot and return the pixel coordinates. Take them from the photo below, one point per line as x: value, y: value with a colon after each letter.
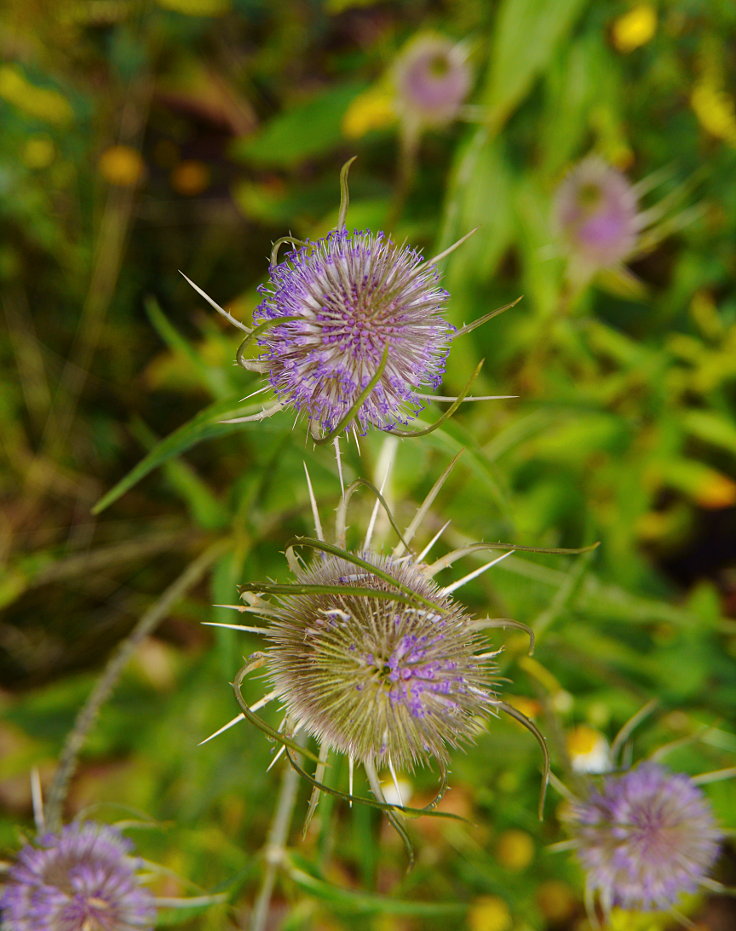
x: 140, y: 137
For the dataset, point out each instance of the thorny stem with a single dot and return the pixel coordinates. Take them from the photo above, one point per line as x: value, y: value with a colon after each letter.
x: 275, y: 849
x: 109, y: 678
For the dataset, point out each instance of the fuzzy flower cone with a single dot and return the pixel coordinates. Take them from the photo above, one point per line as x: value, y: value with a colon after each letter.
x: 351, y: 332
x: 645, y: 838
x: 375, y: 677
x: 350, y: 315
x: 80, y: 879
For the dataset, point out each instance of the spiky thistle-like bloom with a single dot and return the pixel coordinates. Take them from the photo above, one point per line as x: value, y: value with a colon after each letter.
x: 351, y: 328
x: 431, y: 78
x: 596, y: 214
x: 79, y: 879
x: 645, y: 837
x: 347, y: 312
x: 369, y: 655
x: 374, y: 677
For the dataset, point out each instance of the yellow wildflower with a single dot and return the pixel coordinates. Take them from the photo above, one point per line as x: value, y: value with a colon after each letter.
x: 190, y: 177
x: 196, y: 7
x: 634, y: 28
x: 122, y: 165
x: 714, y: 109
x: 515, y: 850
x: 489, y: 913
x: 43, y: 103
x: 39, y: 151
x: 373, y: 109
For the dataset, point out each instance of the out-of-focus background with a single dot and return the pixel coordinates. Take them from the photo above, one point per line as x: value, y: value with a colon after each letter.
x: 142, y: 138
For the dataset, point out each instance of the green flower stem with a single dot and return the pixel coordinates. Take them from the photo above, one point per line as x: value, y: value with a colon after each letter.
x: 109, y: 679
x: 275, y: 850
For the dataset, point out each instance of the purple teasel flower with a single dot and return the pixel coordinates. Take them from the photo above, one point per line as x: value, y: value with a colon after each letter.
x: 82, y: 878
x: 596, y: 215
x: 351, y: 329
x: 644, y: 838
x: 431, y: 80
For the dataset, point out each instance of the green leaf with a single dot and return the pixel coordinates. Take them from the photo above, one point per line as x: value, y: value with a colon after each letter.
x: 528, y: 32
x: 710, y: 427
x: 207, y: 424
x: 481, y: 177
x: 213, y: 379
x: 206, y: 510
x: 367, y: 903
x: 302, y: 131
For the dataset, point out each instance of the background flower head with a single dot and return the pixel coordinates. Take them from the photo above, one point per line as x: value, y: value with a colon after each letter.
x: 345, y: 300
x: 645, y: 837
x: 80, y: 879
x: 431, y: 81
x: 595, y: 212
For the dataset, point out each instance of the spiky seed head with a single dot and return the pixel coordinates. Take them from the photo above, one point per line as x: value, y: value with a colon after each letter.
x: 354, y: 295
x: 595, y: 210
x: 645, y: 837
x: 81, y: 879
x: 376, y: 678
x: 431, y: 81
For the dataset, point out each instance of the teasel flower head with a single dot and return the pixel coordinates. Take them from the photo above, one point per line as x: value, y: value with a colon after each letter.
x: 374, y: 677
x: 82, y: 878
x: 644, y: 838
x: 596, y: 215
x: 369, y: 655
x: 353, y: 314
x: 351, y: 332
x: 431, y: 81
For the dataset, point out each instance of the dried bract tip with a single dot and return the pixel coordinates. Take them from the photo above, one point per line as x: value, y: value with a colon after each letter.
x: 431, y: 81
x: 388, y: 674
x: 81, y: 879
x: 645, y: 837
x: 595, y: 210
x: 356, y: 309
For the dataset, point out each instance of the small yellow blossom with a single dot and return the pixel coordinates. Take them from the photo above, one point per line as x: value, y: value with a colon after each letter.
x: 42, y: 103
x: 718, y: 491
x: 714, y: 109
x: 634, y: 28
x: 556, y: 901
x: 515, y: 850
x: 196, y: 7
x: 621, y: 919
x: 529, y: 707
x: 588, y: 749
x: 489, y: 913
x: 190, y: 177
x: 39, y: 151
x: 373, y: 109
x: 122, y: 165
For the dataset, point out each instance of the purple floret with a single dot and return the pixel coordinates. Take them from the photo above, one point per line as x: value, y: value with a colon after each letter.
x: 81, y: 879
x: 646, y: 837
